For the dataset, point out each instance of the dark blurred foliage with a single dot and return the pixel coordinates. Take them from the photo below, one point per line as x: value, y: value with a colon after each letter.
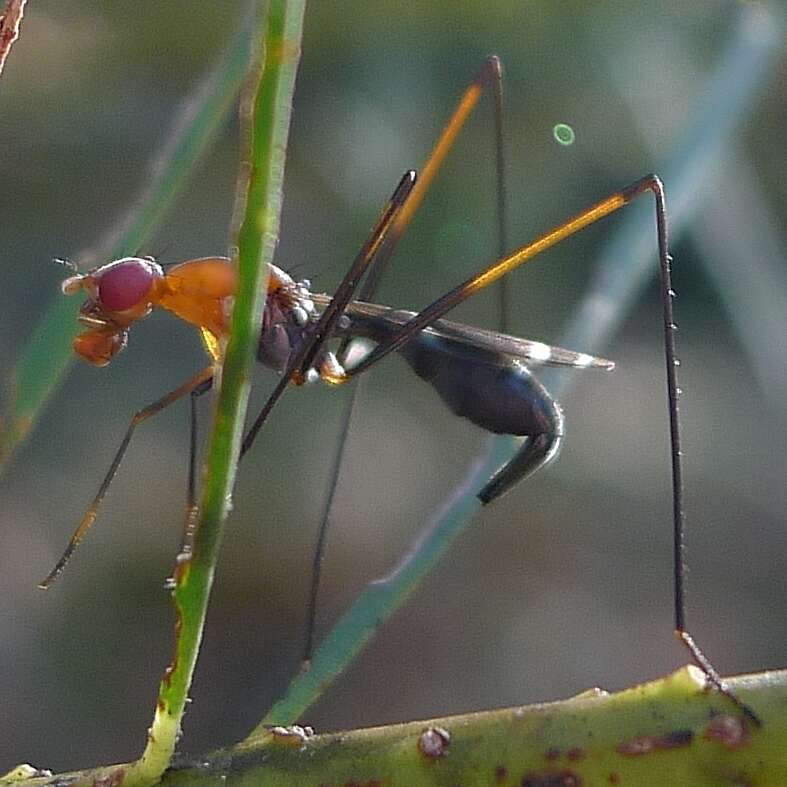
x: 565, y: 583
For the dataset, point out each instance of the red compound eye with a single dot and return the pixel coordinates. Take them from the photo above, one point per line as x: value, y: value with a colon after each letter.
x: 125, y: 283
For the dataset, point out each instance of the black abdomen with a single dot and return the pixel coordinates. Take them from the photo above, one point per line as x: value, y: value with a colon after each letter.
x: 495, y: 392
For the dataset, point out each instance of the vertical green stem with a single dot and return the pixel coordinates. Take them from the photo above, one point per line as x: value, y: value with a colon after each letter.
x: 280, y: 36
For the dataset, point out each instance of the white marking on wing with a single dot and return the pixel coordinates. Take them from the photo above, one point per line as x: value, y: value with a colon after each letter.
x: 540, y: 351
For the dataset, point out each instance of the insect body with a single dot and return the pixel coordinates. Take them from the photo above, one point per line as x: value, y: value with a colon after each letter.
x: 481, y: 375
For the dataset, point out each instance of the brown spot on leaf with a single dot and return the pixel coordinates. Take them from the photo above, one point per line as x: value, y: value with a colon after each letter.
x: 676, y: 739
x: 434, y: 742
x: 173, y: 665
x: 645, y: 744
x: 636, y: 746
x: 728, y: 730
x: 575, y: 754
x: 501, y: 774
x: 111, y: 778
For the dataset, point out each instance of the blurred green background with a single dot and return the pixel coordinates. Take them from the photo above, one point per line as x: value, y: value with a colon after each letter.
x: 563, y: 584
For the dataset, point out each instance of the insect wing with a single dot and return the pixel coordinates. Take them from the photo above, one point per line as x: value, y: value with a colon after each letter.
x: 528, y: 351
x: 364, y: 317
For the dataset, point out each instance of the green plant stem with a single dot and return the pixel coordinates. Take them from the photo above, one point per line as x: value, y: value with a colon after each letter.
x: 280, y: 34
x: 671, y: 731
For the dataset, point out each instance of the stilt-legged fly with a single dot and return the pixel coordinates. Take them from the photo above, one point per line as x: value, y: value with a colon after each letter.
x: 481, y: 375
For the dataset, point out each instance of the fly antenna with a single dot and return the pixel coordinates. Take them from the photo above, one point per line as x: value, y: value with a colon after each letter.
x: 67, y: 264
